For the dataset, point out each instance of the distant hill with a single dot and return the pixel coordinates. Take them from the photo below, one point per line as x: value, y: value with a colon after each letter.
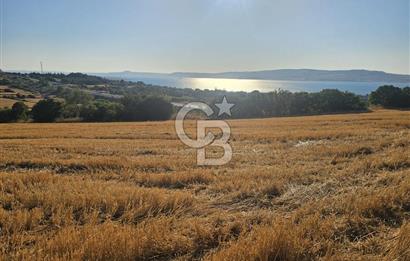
x: 129, y: 75
x: 282, y: 74
x: 307, y: 75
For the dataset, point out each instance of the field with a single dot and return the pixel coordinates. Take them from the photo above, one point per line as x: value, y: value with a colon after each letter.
x: 13, y: 95
x: 332, y: 187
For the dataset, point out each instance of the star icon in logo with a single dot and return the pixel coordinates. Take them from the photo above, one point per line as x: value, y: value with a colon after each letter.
x: 224, y: 107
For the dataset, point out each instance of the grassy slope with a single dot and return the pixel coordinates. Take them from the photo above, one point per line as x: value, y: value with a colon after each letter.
x: 133, y: 191
x: 7, y: 102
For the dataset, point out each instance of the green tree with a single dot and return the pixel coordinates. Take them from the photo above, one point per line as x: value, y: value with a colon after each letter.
x: 132, y: 109
x: 71, y: 110
x: 390, y: 96
x: 155, y: 109
x: 19, y: 111
x: 75, y: 96
x: 136, y: 108
x: 332, y: 100
x: 46, y: 110
x: 101, y: 110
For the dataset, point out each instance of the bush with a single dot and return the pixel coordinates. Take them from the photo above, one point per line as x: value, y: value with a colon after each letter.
x: 5, y: 115
x: 46, y: 110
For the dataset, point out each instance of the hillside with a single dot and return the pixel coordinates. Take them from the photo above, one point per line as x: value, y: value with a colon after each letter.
x: 94, y: 98
x: 9, y: 96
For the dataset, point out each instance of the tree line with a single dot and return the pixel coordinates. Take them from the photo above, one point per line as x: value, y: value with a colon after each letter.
x: 286, y: 103
x: 79, y: 105
x: 132, y: 108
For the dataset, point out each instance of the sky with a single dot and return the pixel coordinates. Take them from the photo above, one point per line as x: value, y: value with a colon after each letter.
x: 204, y: 35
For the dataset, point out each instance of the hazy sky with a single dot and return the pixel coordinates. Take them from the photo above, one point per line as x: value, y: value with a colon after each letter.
x: 204, y: 35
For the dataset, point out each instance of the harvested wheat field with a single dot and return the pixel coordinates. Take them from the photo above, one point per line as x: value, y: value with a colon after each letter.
x: 300, y: 188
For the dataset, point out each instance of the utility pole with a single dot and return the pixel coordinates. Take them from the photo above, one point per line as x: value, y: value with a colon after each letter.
x: 41, y: 67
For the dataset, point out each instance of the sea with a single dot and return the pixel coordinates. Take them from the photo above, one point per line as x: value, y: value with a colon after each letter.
x: 249, y: 85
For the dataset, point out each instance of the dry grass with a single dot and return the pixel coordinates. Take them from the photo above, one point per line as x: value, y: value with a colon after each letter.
x: 7, y: 99
x: 8, y: 103
x: 300, y: 188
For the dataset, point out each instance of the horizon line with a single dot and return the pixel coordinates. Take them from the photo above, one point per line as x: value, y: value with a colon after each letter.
x: 173, y: 72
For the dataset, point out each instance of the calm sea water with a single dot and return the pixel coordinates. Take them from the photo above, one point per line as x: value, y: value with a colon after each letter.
x: 263, y: 85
